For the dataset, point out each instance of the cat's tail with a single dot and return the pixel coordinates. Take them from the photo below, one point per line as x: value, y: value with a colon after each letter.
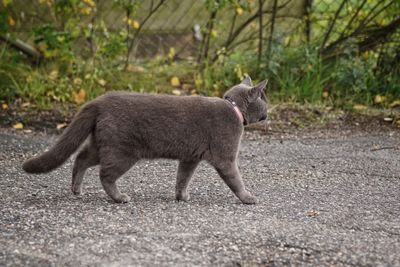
x: 72, y: 137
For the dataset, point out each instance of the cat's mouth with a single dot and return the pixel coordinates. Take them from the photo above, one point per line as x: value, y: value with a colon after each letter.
x: 263, y: 118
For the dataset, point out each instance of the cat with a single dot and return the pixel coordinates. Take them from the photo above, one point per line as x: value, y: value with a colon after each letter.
x: 121, y: 128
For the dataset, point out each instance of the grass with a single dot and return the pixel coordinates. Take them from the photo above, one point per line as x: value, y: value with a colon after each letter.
x: 296, y: 75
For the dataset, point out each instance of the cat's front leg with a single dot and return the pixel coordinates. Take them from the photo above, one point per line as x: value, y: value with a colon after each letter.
x: 185, y: 173
x: 229, y: 172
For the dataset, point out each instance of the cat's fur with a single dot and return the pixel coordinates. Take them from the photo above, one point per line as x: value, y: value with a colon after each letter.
x: 126, y: 127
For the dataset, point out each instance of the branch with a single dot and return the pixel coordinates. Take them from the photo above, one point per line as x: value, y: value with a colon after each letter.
x: 260, y: 30
x: 271, y: 33
x: 25, y: 48
x: 151, y: 13
x: 242, y: 26
x: 359, y: 31
x: 376, y: 36
x: 328, y: 33
x: 352, y: 18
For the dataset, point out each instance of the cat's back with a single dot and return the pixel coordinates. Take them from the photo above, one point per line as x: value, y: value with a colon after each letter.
x: 122, y: 100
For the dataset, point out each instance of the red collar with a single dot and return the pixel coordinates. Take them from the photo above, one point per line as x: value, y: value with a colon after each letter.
x: 237, y: 110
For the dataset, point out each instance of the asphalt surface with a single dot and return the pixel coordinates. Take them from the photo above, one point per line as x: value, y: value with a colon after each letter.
x: 323, y: 201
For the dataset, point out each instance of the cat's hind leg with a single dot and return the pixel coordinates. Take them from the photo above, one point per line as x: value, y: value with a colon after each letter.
x: 86, y: 158
x: 112, y: 166
x: 185, y: 173
x: 229, y: 172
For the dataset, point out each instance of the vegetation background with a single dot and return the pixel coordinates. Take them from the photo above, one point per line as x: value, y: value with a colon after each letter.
x: 336, y: 53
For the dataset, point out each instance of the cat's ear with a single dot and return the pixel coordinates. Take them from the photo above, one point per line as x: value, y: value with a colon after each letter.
x: 257, y: 91
x: 247, y: 80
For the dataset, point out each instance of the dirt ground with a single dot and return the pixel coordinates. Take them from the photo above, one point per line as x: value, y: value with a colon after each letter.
x: 327, y: 196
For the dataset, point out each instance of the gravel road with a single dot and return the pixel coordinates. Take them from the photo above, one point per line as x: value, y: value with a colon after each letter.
x: 323, y: 200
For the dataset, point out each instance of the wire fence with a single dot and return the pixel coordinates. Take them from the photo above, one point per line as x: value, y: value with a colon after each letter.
x: 193, y: 29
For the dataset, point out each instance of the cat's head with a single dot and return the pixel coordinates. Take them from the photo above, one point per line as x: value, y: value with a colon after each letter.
x: 250, y: 99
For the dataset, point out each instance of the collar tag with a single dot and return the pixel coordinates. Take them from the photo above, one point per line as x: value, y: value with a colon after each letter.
x: 237, y: 111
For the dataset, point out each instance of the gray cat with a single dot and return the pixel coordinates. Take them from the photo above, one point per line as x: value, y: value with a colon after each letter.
x: 125, y: 127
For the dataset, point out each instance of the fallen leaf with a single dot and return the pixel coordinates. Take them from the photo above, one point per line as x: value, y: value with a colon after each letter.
x: 379, y: 99
x: 312, y: 213
x: 176, y: 92
x: 388, y: 119
x: 395, y: 104
x: 18, y: 126
x: 359, y: 107
x: 376, y: 147
x: 25, y: 105
x: 61, y: 125
x: 78, y: 81
x: 102, y: 82
x: 4, y: 106
x: 11, y: 21
x: 79, y: 97
x: 171, y: 53
x: 325, y: 94
x: 133, y: 68
x: 27, y: 131
x: 175, y: 81
x: 53, y: 75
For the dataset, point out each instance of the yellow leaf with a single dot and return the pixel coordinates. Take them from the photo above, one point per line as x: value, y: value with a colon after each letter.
x: 79, y: 97
x: 86, y: 10
x: 176, y: 92
x: 4, y: 106
x: 6, y: 2
x: 214, y: 33
x: 287, y: 41
x: 175, y: 81
x: 395, y: 104
x: 379, y: 99
x: 53, y: 75
x: 42, y: 47
x: 89, y: 2
x: 239, y: 10
x: 78, y: 81
x: 359, y: 107
x: 171, y: 53
x: 18, y: 126
x: 11, y: 21
x: 133, y: 68
x: 61, y: 125
x: 102, y: 82
x: 135, y: 24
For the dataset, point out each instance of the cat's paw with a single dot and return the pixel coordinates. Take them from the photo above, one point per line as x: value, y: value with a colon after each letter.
x: 182, y: 197
x: 123, y: 198
x: 249, y: 199
x: 77, y: 190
